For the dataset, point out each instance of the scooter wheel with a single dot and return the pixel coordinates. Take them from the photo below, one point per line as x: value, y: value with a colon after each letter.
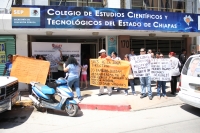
x: 72, y: 110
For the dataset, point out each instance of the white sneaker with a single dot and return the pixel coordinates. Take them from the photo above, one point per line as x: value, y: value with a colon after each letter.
x: 126, y: 94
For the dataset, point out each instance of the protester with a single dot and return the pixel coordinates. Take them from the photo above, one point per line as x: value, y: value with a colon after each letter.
x: 84, y: 73
x: 175, y: 64
x: 64, y: 65
x: 73, y: 79
x: 8, y: 65
x: 157, y: 57
x: 104, y: 56
x: 161, y: 84
x: 150, y: 52
x: 145, y: 82
x: 131, y: 54
x: 114, y: 56
x: 130, y: 77
x: 182, y: 58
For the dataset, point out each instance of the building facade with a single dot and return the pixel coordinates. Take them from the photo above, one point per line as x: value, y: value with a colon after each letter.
x: 19, y: 40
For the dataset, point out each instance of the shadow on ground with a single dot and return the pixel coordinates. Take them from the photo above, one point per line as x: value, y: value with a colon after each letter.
x: 15, y: 117
x: 191, y: 109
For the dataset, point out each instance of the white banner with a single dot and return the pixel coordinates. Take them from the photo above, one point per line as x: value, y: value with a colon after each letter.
x: 160, y: 70
x: 51, y: 51
x: 141, y: 65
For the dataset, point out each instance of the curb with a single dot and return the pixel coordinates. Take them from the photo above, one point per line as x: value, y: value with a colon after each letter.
x: 124, y: 108
x: 24, y: 103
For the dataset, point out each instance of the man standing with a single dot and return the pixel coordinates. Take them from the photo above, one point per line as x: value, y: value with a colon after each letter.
x: 145, y: 82
x: 182, y: 58
x: 8, y: 66
x: 104, y: 56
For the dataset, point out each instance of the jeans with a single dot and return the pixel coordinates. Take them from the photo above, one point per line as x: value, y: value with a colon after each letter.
x: 131, y: 82
x: 145, y: 82
x: 161, y: 84
x: 74, y: 81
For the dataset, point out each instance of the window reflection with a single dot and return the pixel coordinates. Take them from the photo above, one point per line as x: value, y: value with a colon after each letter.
x: 160, y: 5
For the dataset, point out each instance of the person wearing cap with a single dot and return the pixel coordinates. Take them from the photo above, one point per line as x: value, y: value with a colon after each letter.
x: 104, y: 56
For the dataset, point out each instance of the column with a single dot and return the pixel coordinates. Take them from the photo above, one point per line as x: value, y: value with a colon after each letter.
x: 22, y: 49
x: 123, y: 45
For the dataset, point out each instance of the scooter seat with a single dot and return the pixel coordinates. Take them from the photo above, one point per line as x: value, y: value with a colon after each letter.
x: 45, y: 89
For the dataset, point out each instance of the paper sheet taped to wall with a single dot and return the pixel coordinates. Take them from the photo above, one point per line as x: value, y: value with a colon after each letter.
x: 29, y: 69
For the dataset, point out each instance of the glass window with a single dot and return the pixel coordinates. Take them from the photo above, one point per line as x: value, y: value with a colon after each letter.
x: 163, y: 47
x: 92, y: 3
x: 151, y: 3
x: 151, y: 44
x: 178, y: 4
x: 136, y: 44
x: 176, y: 46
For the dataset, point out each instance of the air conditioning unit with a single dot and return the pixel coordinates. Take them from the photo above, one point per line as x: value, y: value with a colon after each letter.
x: 3, y: 11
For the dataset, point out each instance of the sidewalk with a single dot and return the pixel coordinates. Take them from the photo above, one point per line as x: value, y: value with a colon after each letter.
x: 118, y: 101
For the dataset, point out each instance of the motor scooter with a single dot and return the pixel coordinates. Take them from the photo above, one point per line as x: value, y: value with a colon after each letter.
x: 44, y: 96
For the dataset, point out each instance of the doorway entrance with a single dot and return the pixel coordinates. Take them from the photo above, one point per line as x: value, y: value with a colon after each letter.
x: 88, y: 51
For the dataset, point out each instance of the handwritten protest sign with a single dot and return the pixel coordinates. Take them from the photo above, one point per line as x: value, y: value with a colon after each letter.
x: 141, y: 65
x: 29, y: 69
x: 160, y: 70
x: 109, y: 73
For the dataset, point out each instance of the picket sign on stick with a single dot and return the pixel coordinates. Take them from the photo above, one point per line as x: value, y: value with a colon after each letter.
x: 105, y: 72
x: 29, y: 69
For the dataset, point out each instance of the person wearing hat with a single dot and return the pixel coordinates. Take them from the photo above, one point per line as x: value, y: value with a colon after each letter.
x: 103, y: 55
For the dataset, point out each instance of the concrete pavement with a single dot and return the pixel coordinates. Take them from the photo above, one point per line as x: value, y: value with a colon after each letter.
x: 118, y: 101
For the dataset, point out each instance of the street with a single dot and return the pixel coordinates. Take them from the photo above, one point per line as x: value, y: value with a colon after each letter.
x: 171, y: 119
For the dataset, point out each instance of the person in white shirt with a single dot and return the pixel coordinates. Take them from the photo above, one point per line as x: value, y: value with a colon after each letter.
x: 114, y: 56
x: 84, y: 74
x: 175, y: 63
x: 131, y: 54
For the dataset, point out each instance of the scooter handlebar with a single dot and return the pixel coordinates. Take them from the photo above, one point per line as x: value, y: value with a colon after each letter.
x: 33, y: 83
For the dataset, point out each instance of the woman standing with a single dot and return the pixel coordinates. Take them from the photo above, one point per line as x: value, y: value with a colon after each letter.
x: 161, y: 84
x: 114, y: 56
x: 175, y: 63
x: 130, y: 77
x: 73, y: 70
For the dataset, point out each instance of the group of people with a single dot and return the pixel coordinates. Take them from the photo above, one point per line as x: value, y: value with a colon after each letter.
x: 145, y: 82
x: 72, y: 70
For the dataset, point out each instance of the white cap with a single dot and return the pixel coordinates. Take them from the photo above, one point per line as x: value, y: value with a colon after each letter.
x: 102, y: 51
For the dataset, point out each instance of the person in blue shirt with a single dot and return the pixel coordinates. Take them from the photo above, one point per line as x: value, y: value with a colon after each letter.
x: 73, y: 69
x: 8, y: 66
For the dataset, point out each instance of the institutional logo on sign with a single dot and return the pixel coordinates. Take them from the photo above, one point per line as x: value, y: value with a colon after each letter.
x: 24, y: 16
x: 35, y: 12
x: 188, y: 19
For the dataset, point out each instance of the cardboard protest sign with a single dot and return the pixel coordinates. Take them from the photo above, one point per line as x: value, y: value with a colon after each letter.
x: 141, y: 65
x: 29, y: 69
x: 160, y: 70
x: 109, y: 72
